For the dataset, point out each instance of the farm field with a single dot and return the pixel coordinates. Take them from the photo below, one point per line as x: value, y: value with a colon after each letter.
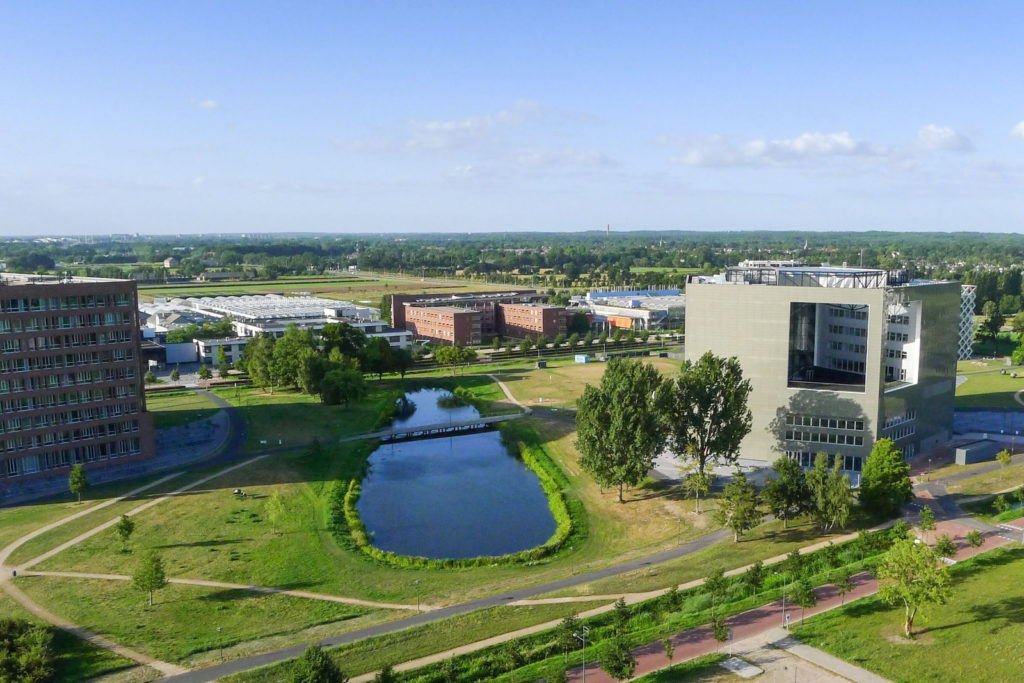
x: 976, y: 636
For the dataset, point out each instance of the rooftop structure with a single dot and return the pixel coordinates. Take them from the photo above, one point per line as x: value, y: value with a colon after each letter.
x: 276, y: 307
x: 638, y: 309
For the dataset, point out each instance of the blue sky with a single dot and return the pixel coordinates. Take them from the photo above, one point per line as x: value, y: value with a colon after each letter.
x: 421, y: 116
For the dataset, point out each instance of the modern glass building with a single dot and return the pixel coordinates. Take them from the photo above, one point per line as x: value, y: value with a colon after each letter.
x: 838, y: 357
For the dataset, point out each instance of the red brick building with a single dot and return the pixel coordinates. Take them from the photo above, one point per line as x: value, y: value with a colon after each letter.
x: 531, y: 320
x: 71, y: 376
x: 448, y: 324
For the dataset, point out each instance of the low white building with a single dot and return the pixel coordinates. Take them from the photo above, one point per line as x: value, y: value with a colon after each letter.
x: 208, y: 350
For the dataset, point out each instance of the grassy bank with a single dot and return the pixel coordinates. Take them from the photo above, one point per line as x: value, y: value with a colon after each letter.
x: 975, y: 637
x: 177, y: 408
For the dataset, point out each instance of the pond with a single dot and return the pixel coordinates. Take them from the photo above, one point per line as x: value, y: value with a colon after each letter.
x: 452, y: 497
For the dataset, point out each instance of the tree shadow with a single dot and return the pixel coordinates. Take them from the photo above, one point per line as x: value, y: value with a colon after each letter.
x: 205, y: 544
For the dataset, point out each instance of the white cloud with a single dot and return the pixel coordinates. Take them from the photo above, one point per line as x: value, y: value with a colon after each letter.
x: 807, y: 148
x: 539, y: 157
x: 943, y: 138
x: 444, y: 135
x: 208, y: 104
x: 198, y: 180
x: 1018, y: 130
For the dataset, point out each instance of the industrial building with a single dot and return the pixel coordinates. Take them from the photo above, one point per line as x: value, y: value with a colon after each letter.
x: 531, y: 320
x: 449, y: 324
x: 71, y: 377
x: 635, y: 310
x: 837, y: 357
x: 252, y: 315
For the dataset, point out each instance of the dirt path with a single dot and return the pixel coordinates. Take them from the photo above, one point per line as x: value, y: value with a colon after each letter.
x: 508, y: 394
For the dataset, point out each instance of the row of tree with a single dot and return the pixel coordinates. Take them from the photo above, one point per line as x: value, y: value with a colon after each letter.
x: 330, y: 365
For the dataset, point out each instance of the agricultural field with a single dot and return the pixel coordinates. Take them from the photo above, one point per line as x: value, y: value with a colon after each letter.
x: 976, y: 636
x: 359, y: 289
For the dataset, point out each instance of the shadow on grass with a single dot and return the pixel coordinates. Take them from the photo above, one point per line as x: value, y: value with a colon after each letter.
x: 205, y: 544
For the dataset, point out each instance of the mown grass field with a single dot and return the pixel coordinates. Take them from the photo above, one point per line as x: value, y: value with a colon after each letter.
x: 997, y: 480
x: 183, y: 622
x: 173, y: 409
x: 990, y: 389
x: 977, y: 636
x: 76, y: 659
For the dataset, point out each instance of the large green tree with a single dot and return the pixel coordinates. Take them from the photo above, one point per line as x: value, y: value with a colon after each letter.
x: 259, y: 360
x: 786, y: 494
x: 342, y: 386
x: 315, y: 666
x: 912, y: 574
x: 342, y: 336
x: 617, y: 660
x: 289, y: 351
x: 378, y: 357
x: 26, y: 652
x: 705, y: 410
x: 831, y: 497
x: 885, y: 480
x: 619, y: 430
x: 737, y: 509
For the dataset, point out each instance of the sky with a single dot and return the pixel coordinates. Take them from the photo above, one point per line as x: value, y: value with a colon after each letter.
x: 418, y: 116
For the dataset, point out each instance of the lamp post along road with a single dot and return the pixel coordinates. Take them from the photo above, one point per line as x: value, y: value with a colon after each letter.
x: 582, y: 637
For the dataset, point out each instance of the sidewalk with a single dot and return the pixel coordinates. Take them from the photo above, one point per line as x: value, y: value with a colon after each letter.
x: 700, y: 641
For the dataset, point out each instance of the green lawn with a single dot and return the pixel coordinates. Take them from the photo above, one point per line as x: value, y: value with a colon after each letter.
x: 704, y: 668
x: 176, y: 408
x: 393, y: 648
x: 976, y: 637
x: 990, y: 482
x: 76, y: 659
x: 976, y: 365
x: 294, y: 419
x: 990, y: 390
x: 182, y: 625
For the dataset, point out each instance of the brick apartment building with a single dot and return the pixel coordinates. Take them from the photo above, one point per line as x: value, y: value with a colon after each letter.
x: 444, y: 324
x: 71, y: 376
x: 530, y: 320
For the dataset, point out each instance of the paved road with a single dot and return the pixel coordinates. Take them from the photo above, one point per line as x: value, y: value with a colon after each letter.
x: 214, y: 672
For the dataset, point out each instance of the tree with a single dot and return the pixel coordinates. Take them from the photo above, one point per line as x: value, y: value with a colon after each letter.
x: 526, y: 345
x: 579, y: 323
x: 912, y: 574
x: 175, y: 375
x: 737, y: 509
x: 377, y: 356
x: 275, y: 510
x: 670, y: 649
x: 588, y: 339
x: 288, y: 354
x: 899, y: 530
x: 573, y: 341
x: 1004, y: 457
x: 975, y: 539
x: 927, y: 519
x: 787, y: 495
x: 715, y: 584
x: 149, y: 575
x: 1017, y: 322
x: 311, y: 370
x: 124, y: 529
x: 342, y: 386
x: 512, y: 655
x: 78, y: 481
x: 1017, y: 356
x: 564, y: 635
x: 844, y: 584
x: 559, y: 340
x: 385, y: 308
x: 945, y: 546
x: 342, y: 336
x: 402, y: 361
x: 204, y: 372
x: 496, y: 343
x: 386, y: 675
x: 994, y: 320
x: 620, y: 617
x: 315, y: 666
x: 450, y: 356
x: 149, y: 377
x: 467, y: 356
x: 258, y: 355
x: 618, y: 661
x: 542, y: 341
x: 803, y: 594
x: 831, y: 497
x: 619, y: 430
x: 885, y: 481
x: 1001, y: 504
x: 222, y: 357
x: 26, y: 652
x: 754, y: 576
x: 719, y: 629
x: 603, y: 338
x: 705, y: 410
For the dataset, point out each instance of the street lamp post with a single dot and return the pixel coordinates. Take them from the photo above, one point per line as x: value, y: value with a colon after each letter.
x: 582, y: 637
